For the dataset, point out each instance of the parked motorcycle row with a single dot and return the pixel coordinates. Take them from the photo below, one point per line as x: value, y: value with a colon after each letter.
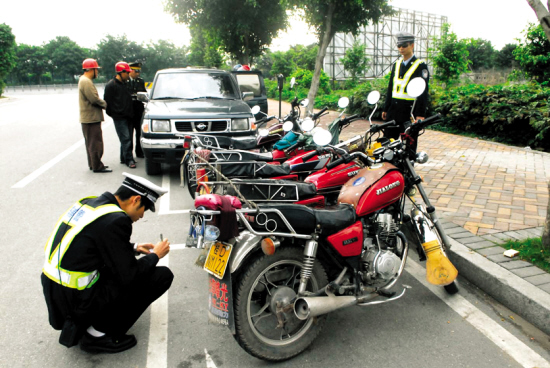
x: 295, y: 227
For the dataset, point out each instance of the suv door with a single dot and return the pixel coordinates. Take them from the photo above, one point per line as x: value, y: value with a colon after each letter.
x: 253, y: 81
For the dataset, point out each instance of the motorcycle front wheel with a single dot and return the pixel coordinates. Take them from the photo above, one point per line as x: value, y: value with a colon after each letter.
x: 265, y: 324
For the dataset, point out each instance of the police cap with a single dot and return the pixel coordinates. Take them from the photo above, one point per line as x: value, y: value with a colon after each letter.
x: 402, y: 37
x: 144, y: 188
x: 135, y: 65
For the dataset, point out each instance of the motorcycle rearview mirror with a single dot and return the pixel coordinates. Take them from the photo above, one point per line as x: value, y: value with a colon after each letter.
x: 263, y: 132
x: 292, y: 82
x: 343, y: 102
x: 322, y: 137
x: 287, y: 126
x: 304, y: 102
x: 416, y: 87
x: 255, y: 110
x: 308, y: 124
x: 373, y: 97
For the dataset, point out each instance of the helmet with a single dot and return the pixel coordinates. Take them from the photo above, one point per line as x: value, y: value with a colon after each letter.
x: 236, y: 67
x: 244, y: 68
x: 90, y: 64
x: 122, y: 66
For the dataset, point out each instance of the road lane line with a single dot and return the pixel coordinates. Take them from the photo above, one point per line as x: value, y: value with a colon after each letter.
x: 511, y: 345
x: 164, y: 206
x: 157, y: 351
x: 209, y: 361
x: 35, y: 174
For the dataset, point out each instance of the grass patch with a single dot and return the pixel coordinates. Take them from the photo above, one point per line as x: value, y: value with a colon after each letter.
x: 531, y: 250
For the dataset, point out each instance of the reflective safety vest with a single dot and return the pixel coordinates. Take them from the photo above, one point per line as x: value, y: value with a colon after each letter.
x: 70, y: 225
x: 399, y: 85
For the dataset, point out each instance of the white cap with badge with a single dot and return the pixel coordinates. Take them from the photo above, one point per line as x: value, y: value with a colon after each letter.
x: 144, y: 188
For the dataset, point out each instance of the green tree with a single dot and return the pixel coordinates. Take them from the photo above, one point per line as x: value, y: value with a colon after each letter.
x: 264, y: 63
x: 161, y: 55
x: 356, y: 63
x: 205, y: 49
x: 330, y: 16
x: 281, y: 64
x: 113, y: 49
x: 449, y: 55
x: 504, y: 58
x: 7, y: 53
x: 32, y: 63
x: 543, y: 15
x: 303, y: 56
x: 481, y: 54
x: 65, y: 57
x: 533, y: 54
x: 244, y: 28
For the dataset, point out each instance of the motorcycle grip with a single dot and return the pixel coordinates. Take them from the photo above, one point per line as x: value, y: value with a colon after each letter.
x: 349, y: 118
x: 316, y: 115
x: 294, y: 146
x: 307, y: 156
x: 335, y: 163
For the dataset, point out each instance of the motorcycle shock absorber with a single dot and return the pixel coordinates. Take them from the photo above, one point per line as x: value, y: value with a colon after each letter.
x: 310, y: 251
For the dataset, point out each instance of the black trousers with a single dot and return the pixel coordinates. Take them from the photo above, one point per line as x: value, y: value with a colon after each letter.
x: 117, y: 317
x: 135, y: 126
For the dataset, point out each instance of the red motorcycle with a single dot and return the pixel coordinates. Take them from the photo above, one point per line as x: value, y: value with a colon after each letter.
x: 275, y: 276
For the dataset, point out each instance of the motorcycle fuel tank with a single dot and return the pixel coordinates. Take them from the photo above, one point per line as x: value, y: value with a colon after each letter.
x: 335, y: 177
x: 348, y: 242
x: 373, y: 188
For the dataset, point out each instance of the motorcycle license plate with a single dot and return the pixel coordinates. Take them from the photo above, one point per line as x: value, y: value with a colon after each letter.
x: 217, y: 259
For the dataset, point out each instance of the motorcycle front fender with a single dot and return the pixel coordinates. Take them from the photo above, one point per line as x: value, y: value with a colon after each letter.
x: 245, y: 243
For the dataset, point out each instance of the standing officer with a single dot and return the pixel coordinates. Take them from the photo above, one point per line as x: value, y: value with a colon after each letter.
x: 136, y: 84
x: 94, y: 286
x: 91, y: 115
x: 119, y: 107
x: 398, y: 103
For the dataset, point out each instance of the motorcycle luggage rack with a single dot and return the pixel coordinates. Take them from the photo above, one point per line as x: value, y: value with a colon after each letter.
x: 241, y: 215
x: 266, y: 191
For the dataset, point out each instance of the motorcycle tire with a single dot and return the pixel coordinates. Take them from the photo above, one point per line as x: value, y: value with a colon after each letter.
x: 263, y: 282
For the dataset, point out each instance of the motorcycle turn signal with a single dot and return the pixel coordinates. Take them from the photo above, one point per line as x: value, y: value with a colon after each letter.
x: 269, y: 246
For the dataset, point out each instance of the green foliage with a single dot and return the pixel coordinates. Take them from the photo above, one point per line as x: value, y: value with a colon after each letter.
x: 531, y: 250
x: 282, y: 65
x: 480, y: 53
x: 161, y: 55
x: 358, y: 100
x: 303, y: 56
x: 205, y: 49
x: 113, y: 49
x: 65, y: 57
x: 32, y: 63
x: 533, y: 54
x: 7, y: 53
x: 304, y: 78
x: 505, y: 57
x: 449, y: 55
x: 355, y: 61
x: 515, y: 114
x: 286, y: 62
x: 244, y: 28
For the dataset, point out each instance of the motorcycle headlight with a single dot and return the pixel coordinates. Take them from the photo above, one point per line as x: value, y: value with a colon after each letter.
x: 239, y: 124
x: 160, y: 125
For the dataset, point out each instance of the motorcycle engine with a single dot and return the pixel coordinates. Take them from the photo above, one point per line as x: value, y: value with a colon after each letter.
x: 379, y: 259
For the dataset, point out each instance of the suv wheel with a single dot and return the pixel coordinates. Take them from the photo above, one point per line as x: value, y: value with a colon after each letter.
x: 152, y: 168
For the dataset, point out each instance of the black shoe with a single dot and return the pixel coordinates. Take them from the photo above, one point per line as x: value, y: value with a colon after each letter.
x: 106, y: 343
x: 105, y: 167
x: 104, y: 170
x: 132, y: 164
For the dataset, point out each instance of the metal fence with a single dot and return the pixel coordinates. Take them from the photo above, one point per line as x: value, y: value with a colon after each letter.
x: 46, y: 87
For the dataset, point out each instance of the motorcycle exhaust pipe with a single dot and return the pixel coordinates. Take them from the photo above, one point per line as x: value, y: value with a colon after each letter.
x: 306, y: 307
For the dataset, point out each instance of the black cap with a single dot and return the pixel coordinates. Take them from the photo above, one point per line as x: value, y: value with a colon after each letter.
x: 135, y: 64
x: 144, y: 188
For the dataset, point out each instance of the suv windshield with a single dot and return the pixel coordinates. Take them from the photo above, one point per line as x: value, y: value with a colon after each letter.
x: 194, y: 86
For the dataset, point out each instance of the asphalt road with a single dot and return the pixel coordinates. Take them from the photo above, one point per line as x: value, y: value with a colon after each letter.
x: 43, y: 170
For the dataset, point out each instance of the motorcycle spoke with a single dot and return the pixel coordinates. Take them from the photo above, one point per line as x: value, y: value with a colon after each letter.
x: 291, y: 276
x: 261, y: 310
x: 260, y: 318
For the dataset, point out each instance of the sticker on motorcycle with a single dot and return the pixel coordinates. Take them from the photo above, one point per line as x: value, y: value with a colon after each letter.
x: 359, y: 181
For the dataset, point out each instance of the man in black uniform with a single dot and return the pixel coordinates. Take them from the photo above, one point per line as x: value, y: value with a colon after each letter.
x: 136, y: 84
x: 94, y: 286
x: 398, y: 103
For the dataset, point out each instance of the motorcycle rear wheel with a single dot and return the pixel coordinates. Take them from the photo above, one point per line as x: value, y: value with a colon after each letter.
x: 265, y: 281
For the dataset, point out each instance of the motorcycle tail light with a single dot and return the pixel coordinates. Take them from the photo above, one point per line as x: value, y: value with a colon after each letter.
x: 187, y: 142
x: 269, y: 246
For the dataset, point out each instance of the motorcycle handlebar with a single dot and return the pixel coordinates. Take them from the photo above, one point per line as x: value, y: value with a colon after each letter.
x: 265, y: 120
x: 421, y: 124
x: 316, y: 115
x: 294, y: 146
x: 378, y: 127
x: 307, y: 156
x: 348, y: 119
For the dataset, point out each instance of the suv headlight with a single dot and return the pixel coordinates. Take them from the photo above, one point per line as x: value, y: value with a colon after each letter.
x: 239, y: 124
x: 160, y: 125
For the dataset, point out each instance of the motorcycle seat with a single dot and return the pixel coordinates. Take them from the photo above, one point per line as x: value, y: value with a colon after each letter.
x: 245, y: 143
x: 242, y: 143
x: 306, y: 220
x: 239, y: 155
x: 273, y: 190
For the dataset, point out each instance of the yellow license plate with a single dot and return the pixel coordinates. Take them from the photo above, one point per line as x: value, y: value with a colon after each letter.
x: 217, y: 259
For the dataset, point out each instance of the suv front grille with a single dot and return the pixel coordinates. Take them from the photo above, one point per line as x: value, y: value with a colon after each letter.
x: 200, y: 126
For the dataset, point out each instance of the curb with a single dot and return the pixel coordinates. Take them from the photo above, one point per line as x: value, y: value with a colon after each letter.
x: 504, y: 286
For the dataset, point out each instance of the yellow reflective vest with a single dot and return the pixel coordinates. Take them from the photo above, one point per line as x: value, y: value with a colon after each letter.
x: 400, y: 84
x: 67, y: 228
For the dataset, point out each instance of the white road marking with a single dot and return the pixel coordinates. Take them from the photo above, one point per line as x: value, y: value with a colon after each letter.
x: 157, y: 351
x: 520, y: 352
x: 35, y: 174
x: 164, y: 206
x: 209, y: 362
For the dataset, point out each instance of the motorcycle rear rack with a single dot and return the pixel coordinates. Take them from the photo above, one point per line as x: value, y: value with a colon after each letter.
x: 266, y: 191
x: 241, y: 215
